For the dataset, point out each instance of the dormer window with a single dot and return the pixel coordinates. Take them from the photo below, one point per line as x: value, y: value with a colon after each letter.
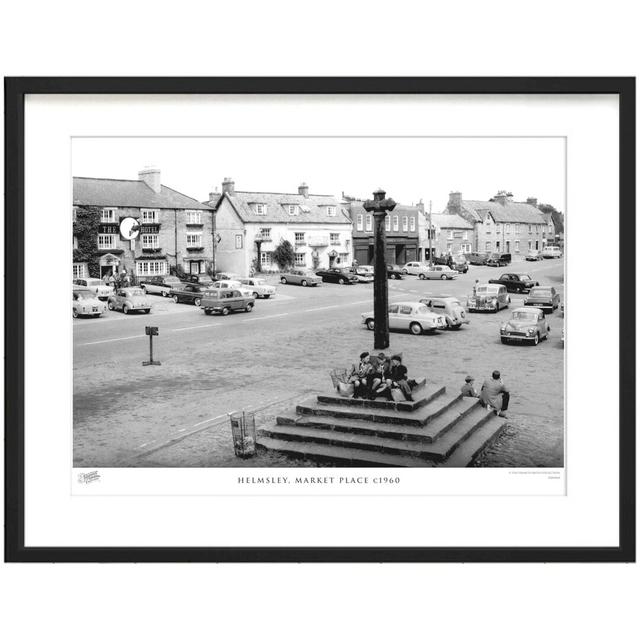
x: 331, y: 211
x: 261, y: 209
x: 293, y: 209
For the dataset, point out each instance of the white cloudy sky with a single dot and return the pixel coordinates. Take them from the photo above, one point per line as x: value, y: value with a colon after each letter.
x: 409, y: 169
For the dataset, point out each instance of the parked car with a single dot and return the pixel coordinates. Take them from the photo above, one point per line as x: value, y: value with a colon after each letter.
x: 440, y: 272
x: 447, y: 306
x: 525, y: 325
x: 129, y: 299
x: 300, y: 276
x: 394, y: 272
x: 258, y: 287
x: 159, y: 284
x: 551, y: 251
x: 516, y: 282
x: 232, y: 284
x: 533, y: 255
x: 413, y: 316
x: 95, y: 285
x: 225, y: 300
x: 363, y: 273
x: 547, y: 298
x: 189, y: 293
x: 460, y: 264
x: 489, y: 297
x: 199, y: 278
x: 86, y: 303
x: 226, y: 275
x: 476, y: 258
x: 415, y: 268
x: 498, y: 260
x: 334, y: 274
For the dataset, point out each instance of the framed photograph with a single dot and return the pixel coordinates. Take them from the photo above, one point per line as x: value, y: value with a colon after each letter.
x: 320, y: 319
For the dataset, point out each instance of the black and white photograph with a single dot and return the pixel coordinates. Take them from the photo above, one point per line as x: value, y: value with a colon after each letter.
x: 319, y: 301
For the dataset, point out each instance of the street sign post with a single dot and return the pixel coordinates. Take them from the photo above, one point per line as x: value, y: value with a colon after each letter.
x: 150, y: 331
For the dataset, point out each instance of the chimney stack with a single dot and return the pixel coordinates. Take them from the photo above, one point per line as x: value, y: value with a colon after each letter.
x: 455, y: 202
x: 214, y: 196
x: 228, y: 186
x: 151, y: 177
x: 303, y: 190
x: 501, y: 198
x: 532, y: 201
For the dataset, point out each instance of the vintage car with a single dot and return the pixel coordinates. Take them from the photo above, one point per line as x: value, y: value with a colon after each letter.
x: 447, y: 306
x: 232, y: 284
x: 439, y: 272
x: 489, y: 297
x: 394, y: 272
x: 226, y: 275
x: 551, y: 251
x: 516, y: 282
x: 533, y: 255
x: 96, y: 285
x: 547, y: 298
x: 413, y: 316
x: 159, y: 284
x: 86, y: 303
x: 476, y: 258
x: 300, y: 276
x: 498, y: 260
x: 415, y: 268
x: 258, y: 287
x: 129, y: 299
x: 525, y: 325
x: 364, y: 273
x: 189, y: 293
x: 457, y: 263
x: 198, y: 278
x: 335, y: 274
x: 225, y: 300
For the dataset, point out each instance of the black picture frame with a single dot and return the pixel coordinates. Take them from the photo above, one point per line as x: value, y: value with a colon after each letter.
x: 15, y: 91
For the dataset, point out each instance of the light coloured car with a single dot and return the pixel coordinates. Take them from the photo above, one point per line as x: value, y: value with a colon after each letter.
x: 258, y: 287
x: 489, y: 297
x: 416, y: 268
x: 86, y: 303
x: 232, y: 284
x: 533, y: 255
x: 129, y: 300
x: 160, y: 284
x: 409, y: 316
x: 223, y: 301
x: 439, y: 272
x: 363, y: 273
x: 552, y: 252
x: 102, y: 290
x: 525, y: 325
x: 449, y: 307
x: 302, y: 277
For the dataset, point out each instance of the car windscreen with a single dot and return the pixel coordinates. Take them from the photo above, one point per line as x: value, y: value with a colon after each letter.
x: 523, y: 315
x: 136, y: 292
x: 524, y: 276
x: 540, y: 293
x: 172, y: 280
x: 85, y: 294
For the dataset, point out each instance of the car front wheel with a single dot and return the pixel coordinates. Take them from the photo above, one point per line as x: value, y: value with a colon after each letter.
x: 415, y: 328
x: 164, y: 294
x: 422, y: 276
x: 370, y: 324
x: 283, y: 280
x: 225, y: 311
x: 197, y: 302
x: 249, y: 308
x: 75, y: 313
x: 443, y: 277
x: 255, y: 295
x: 304, y: 283
x: 175, y: 299
x: 125, y: 309
x: 110, y: 305
x: 341, y: 281
x: 536, y: 339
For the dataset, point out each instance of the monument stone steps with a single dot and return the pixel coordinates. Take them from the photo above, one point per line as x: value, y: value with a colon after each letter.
x: 438, y: 450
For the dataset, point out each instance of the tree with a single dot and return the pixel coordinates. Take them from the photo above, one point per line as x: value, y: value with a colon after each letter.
x: 284, y: 255
x: 556, y: 216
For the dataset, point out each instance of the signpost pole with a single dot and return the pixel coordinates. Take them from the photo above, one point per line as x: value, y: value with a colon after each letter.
x: 150, y: 331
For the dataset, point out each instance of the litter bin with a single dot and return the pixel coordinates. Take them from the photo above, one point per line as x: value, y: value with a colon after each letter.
x: 243, y: 430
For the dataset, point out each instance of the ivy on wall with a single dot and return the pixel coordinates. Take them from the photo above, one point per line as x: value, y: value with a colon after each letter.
x: 85, y: 229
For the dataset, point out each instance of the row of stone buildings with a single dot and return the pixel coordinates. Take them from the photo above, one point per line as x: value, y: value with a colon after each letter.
x: 235, y: 230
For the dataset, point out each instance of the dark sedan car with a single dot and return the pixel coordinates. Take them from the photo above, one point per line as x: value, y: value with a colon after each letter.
x: 199, y: 278
x: 498, y: 260
x: 341, y: 276
x: 516, y: 282
x: 190, y: 293
x: 476, y: 258
x: 394, y: 272
x: 546, y: 298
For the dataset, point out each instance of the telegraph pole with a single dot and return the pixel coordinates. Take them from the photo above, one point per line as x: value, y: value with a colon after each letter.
x: 380, y: 206
x: 430, y: 247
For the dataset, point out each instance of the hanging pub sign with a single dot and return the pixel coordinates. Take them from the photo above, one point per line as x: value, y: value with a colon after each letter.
x: 129, y: 228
